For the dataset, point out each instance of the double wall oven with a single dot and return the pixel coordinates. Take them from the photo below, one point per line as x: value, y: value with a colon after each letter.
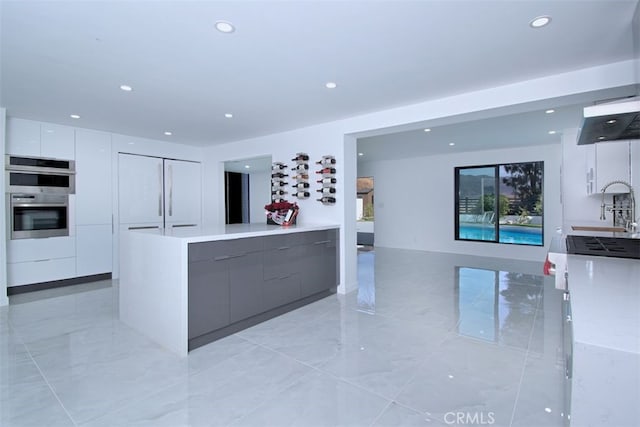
x: 38, y: 192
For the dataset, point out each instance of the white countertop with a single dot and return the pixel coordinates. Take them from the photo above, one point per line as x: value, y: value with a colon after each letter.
x: 605, y: 301
x: 232, y: 231
x: 605, y: 292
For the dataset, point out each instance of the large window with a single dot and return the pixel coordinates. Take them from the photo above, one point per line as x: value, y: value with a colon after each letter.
x: 500, y: 203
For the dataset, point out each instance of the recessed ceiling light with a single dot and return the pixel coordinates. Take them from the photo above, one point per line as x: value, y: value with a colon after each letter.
x: 552, y: 132
x: 540, y: 21
x: 126, y: 88
x: 331, y: 85
x: 427, y: 130
x: 550, y: 111
x: 360, y: 154
x: 74, y: 116
x: 168, y: 133
x: 452, y: 144
x: 225, y: 27
x: 247, y: 167
x: 612, y: 121
x: 602, y: 137
x: 228, y: 115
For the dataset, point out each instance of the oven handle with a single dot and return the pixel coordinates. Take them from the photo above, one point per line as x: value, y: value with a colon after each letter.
x: 39, y: 205
x: 40, y: 171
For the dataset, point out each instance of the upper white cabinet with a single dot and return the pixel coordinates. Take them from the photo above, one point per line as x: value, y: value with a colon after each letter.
x: 57, y: 141
x: 140, y: 193
x: 607, y: 162
x: 93, y: 177
x: 32, y: 138
x: 182, y: 193
x: 23, y: 137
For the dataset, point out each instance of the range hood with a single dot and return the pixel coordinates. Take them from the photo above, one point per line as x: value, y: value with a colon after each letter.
x: 613, y: 121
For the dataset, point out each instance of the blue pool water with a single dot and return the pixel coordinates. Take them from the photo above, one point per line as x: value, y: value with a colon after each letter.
x: 508, y: 234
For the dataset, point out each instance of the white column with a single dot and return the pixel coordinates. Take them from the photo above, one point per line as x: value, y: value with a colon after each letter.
x: 3, y: 214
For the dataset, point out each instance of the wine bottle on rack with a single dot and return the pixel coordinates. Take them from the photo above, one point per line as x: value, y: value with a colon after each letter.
x: 278, y: 192
x: 327, y: 181
x: 278, y: 175
x: 302, y: 194
x: 278, y: 166
x: 327, y: 170
x: 326, y: 190
x: 300, y: 167
x: 301, y: 176
x: 327, y: 200
x: 301, y: 185
x: 275, y: 185
x: 300, y: 157
x: 326, y: 161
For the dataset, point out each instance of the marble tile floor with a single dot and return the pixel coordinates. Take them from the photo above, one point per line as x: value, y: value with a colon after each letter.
x: 428, y: 339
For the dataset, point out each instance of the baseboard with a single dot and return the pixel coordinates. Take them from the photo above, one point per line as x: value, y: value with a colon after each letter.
x: 15, y: 290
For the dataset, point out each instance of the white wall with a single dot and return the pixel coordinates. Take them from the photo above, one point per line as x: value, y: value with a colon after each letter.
x: 3, y: 226
x: 259, y: 195
x: 415, y: 209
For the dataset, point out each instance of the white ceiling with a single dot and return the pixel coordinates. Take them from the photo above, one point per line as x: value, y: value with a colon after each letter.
x: 70, y: 57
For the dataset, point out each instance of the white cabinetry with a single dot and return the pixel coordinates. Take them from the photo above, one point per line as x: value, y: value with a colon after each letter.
x: 182, y: 193
x: 606, y: 162
x: 94, y: 249
x: 94, y: 229
x: 40, y: 260
x: 155, y: 192
x: 140, y: 193
x: 635, y: 167
x: 32, y: 138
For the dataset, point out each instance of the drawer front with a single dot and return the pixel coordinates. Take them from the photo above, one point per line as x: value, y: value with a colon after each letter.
x: 223, y: 249
x: 25, y: 273
x: 281, y: 262
x: 279, y: 292
x: 23, y: 250
x: 283, y: 241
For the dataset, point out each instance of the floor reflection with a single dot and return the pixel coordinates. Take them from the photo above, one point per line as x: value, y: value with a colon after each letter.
x: 497, y: 306
x: 366, y: 281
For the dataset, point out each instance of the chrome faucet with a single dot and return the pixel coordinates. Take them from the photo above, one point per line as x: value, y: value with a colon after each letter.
x: 630, y: 225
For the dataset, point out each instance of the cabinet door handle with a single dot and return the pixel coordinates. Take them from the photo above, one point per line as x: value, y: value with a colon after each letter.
x: 144, y: 227
x: 42, y: 260
x: 184, y: 225
x: 322, y: 242
x: 170, y: 190
x: 160, y: 189
x: 282, y: 248
x: 221, y: 258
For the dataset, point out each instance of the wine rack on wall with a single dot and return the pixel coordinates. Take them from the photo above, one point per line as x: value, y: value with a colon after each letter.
x: 300, y: 172
x: 278, y: 182
x: 327, y: 181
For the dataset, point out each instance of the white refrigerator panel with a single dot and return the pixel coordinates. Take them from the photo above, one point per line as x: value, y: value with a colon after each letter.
x: 140, y: 189
x: 182, y: 193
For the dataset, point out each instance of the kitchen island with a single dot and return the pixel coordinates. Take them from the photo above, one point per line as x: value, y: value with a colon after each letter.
x: 602, y: 333
x: 189, y: 286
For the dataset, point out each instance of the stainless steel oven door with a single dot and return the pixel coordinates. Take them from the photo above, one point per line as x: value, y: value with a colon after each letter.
x: 40, y: 182
x: 39, y: 215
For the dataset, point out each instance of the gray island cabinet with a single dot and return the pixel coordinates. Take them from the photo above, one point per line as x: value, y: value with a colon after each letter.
x: 222, y: 283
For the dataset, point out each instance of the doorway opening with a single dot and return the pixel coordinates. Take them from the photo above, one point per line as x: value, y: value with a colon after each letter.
x: 236, y: 188
x: 365, y: 213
